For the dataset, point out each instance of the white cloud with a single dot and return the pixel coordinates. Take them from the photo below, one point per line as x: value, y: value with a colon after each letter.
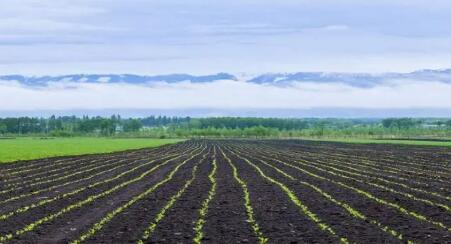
x: 21, y: 25
x: 223, y: 94
x: 46, y: 37
x: 51, y: 9
x: 335, y: 27
x: 53, y: 37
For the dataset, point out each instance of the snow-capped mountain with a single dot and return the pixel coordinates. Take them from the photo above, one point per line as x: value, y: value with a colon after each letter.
x: 113, y: 78
x: 353, y: 79
x: 362, y: 80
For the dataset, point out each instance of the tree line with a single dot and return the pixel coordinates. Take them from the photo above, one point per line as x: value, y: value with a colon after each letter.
x: 163, y: 126
x: 72, y: 125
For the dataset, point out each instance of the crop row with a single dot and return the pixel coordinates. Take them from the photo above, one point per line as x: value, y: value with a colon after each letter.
x: 72, y: 165
x: 363, y: 193
x: 105, y: 220
x: 376, y: 158
x: 304, y: 209
x: 369, y: 166
x: 341, y: 168
x: 69, y: 163
x: 31, y: 226
x: 53, y: 187
x: 395, y: 163
x: 81, y: 168
x: 162, y: 213
x: 50, y: 174
x: 247, y: 202
x: 79, y: 190
x: 246, y: 190
x: 199, y: 224
x: 328, y: 196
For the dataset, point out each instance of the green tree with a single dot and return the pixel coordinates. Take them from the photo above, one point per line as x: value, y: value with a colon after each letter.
x: 3, y: 128
x: 132, y: 125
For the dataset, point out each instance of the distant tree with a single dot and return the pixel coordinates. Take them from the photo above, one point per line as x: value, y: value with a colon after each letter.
x: 405, y: 123
x: 131, y: 125
x: 320, y: 127
x: 440, y: 123
x: 3, y: 128
x: 388, y: 123
x: 107, y: 126
x: 402, y: 123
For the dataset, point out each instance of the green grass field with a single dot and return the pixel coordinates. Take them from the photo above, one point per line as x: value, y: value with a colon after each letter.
x: 34, y: 148
x: 374, y: 141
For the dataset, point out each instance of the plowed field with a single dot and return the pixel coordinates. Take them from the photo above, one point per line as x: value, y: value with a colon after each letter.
x: 232, y: 191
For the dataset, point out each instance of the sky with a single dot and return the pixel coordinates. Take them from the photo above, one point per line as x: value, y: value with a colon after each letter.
x: 249, y: 37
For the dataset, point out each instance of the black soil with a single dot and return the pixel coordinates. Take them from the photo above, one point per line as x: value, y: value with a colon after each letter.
x: 279, y: 218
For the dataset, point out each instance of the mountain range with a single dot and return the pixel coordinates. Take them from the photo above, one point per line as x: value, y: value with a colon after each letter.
x: 114, y: 78
x: 279, y: 79
x: 352, y: 79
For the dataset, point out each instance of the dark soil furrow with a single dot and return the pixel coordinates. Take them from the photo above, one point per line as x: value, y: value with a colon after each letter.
x: 412, y: 228
x: 225, y: 221
x: 147, y: 173
x: 178, y: 223
x: 280, y: 219
x: 232, y: 191
x: 59, y: 189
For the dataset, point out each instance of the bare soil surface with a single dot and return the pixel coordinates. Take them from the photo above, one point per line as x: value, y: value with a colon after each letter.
x: 232, y: 191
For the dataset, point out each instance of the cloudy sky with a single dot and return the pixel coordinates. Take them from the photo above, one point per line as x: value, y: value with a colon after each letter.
x: 48, y: 37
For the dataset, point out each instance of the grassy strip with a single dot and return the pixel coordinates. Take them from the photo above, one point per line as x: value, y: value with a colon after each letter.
x: 79, y: 204
x: 369, y: 196
x: 153, y: 225
x: 352, y: 211
x: 247, y: 203
x: 198, y: 226
x: 76, y: 191
x: 99, y: 225
x: 32, y: 148
x: 304, y: 209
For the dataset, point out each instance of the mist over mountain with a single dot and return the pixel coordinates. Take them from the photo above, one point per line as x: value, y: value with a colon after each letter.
x: 422, y: 93
x: 361, y: 80
x: 115, y: 78
x: 353, y: 79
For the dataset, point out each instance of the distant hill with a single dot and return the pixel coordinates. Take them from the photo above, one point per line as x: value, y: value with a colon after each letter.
x: 353, y: 79
x: 363, y: 80
x: 115, y: 78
